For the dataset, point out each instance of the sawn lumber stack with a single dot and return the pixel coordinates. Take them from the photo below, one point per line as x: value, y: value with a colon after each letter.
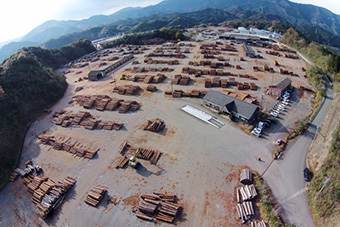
x: 159, y: 206
x: 154, y: 125
x: 95, y: 195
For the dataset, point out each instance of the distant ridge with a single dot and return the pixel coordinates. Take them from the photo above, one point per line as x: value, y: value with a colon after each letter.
x: 317, y: 23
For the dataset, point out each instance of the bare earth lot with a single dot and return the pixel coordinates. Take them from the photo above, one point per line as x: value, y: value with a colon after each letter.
x: 199, y: 163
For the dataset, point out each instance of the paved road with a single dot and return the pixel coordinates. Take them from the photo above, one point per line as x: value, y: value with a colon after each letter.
x: 285, y: 177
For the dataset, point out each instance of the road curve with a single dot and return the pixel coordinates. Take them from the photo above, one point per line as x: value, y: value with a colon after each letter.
x: 285, y: 176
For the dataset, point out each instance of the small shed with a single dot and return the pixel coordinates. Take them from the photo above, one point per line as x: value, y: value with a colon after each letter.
x: 246, y: 176
x: 96, y: 75
x: 281, y: 87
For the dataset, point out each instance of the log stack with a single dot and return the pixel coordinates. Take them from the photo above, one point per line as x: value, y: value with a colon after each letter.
x: 95, y: 195
x: 259, y: 224
x: 246, y: 176
x: 154, y: 125
x: 142, y: 153
x: 50, y: 195
x: 245, y: 211
x: 248, y: 192
x: 121, y: 162
x: 79, y: 150
x: 160, y: 206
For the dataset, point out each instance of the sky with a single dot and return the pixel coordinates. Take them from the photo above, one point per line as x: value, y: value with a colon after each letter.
x: 18, y: 17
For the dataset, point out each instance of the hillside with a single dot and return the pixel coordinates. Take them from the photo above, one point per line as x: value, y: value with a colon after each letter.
x: 318, y: 24
x: 29, y: 86
x: 178, y: 20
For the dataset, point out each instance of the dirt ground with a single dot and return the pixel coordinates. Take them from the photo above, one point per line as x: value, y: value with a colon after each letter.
x: 199, y: 163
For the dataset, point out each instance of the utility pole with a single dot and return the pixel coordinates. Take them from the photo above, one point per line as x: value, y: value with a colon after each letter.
x: 324, y: 185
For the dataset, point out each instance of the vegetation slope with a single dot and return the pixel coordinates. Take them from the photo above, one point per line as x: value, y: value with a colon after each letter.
x: 28, y: 85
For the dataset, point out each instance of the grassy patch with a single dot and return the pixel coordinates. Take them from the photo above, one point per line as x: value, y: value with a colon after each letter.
x: 266, y: 202
x: 329, y: 199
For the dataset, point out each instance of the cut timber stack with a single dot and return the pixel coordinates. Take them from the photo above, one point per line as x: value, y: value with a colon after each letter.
x: 121, y: 162
x: 155, y: 157
x: 246, y: 176
x: 247, y: 192
x: 259, y: 224
x: 68, y: 146
x: 154, y: 125
x: 142, y: 153
x: 51, y: 194
x: 245, y: 211
x: 158, y: 206
x: 151, y: 88
x: 86, y: 120
x: 95, y: 195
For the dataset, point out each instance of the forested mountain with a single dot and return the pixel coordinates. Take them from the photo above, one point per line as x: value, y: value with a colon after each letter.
x: 28, y: 85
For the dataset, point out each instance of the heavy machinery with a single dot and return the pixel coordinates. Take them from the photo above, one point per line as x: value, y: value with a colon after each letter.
x: 123, y: 76
x: 133, y: 160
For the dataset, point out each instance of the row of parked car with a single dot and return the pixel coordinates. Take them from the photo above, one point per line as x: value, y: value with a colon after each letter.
x: 262, y: 125
x: 281, y: 105
x: 275, y: 111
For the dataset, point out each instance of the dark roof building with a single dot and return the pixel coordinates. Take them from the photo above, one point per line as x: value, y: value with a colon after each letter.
x: 249, y: 51
x: 96, y: 75
x: 228, y: 104
x: 280, y: 88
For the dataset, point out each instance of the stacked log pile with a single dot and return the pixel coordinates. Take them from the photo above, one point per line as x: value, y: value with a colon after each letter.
x: 95, y: 195
x: 107, y: 103
x: 142, y: 153
x: 166, y: 55
x: 154, y: 125
x: 151, y: 88
x: 67, y: 145
x: 127, y: 90
x: 160, y: 206
x: 46, y: 193
x: 153, y: 61
x: 191, y: 94
x: 245, y: 193
x: 121, y: 162
x: 181, y: 80
x: 245, y: 211
x: 128, y: 105
x: 86, y: 120
x: 244, y: 196
x: 246, y: 176
x: 259, y: 224
x: 151, y: 69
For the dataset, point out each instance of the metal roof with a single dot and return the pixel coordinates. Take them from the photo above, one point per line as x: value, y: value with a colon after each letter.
x: 230, y: 104
x: 284, y: 84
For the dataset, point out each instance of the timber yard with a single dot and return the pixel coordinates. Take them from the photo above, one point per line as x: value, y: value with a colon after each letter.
x: 160, y: 133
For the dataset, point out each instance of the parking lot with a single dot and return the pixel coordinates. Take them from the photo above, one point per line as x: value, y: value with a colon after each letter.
x: 199, y: 163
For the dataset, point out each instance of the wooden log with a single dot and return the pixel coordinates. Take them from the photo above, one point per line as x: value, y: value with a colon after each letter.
x: 144, y: 217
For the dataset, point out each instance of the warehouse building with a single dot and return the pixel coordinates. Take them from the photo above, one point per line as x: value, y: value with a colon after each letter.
x: 96, y: 75
x: 229, y: 105
x: 280, y: 88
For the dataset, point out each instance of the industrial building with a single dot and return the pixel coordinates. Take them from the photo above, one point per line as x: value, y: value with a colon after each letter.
x: 229, y: 105
x: 280, y: 88
x: 98, y: 74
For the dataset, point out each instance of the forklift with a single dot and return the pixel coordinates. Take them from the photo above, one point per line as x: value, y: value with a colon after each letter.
x: 133, y: 160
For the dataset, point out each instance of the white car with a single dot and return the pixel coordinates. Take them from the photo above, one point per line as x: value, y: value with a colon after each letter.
x: 256, y: 133
x: 285, y: 102
x: 273, y: 114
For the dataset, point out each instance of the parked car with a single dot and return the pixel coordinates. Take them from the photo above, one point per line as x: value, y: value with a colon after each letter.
x: 261, y: 125
x: 256, y: 133
x: 274, y: 114
x: 307, y: 174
